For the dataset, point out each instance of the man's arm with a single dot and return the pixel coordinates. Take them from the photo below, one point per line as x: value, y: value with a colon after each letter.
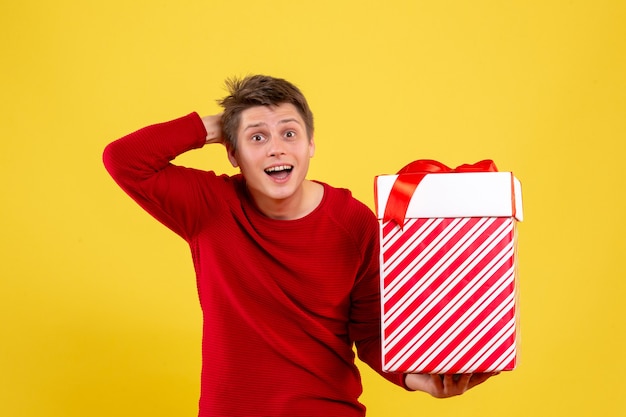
x: 140, y: 163
x: 365, y: 329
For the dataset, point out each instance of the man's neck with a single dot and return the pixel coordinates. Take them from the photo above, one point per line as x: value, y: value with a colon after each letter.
x: 295, y: 207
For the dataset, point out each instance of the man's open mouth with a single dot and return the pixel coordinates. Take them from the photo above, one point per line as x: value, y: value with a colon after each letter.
x: 279, y: 172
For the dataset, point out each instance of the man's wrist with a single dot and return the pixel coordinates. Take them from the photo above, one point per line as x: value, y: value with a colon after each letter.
x: 213, y: 127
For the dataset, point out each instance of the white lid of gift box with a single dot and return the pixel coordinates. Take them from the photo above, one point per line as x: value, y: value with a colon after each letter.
x: 458, y: 194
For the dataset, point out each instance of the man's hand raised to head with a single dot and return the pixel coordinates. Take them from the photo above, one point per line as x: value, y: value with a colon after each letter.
x: 213, y: 126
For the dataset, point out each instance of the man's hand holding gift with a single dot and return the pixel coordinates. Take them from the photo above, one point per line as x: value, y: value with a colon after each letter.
x: 445, y: 386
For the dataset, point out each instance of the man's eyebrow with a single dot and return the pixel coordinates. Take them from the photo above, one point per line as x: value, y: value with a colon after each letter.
x: 259, y: 124
x: 289, y: 120
x: 254, y: 125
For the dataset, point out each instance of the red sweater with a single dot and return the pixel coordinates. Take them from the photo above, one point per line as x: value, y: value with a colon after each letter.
x: 283, y: 302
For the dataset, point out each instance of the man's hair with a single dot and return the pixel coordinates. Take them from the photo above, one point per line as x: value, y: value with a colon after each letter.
x: 259, y: 90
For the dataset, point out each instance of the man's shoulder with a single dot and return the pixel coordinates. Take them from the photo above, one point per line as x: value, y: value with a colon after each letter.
x: 347, y: 208
x: 346, y: 195
x: 209, y: 187
x: 211, y: 178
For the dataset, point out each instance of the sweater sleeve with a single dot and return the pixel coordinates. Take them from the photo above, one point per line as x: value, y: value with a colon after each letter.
x: 140, y: 163
x: 365, y: 317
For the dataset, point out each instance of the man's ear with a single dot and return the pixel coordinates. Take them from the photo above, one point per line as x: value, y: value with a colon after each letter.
x: 311, y: 147
x: 231, y: 157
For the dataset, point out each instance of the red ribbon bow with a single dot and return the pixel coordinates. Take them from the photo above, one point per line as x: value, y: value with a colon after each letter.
x: 411, y: 175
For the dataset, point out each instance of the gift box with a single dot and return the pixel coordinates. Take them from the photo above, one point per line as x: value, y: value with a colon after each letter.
x: 449, y: 294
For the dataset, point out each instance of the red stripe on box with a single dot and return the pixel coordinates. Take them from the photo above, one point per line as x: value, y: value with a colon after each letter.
x: 429, y: 307
x: 403, y: 276
x: 476, y: 311
x: 436, y: 272
x: 447, y: 295
x: 425, y: 254
x: 454, y: 329
x: 449, y: 352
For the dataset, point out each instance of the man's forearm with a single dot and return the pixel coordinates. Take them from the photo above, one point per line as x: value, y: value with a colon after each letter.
x: 146, y: 151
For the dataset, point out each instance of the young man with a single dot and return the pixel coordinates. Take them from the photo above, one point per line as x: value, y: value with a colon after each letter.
x: 286, y: 268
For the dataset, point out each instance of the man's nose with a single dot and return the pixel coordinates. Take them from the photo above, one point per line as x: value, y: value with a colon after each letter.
x: 276, y: 146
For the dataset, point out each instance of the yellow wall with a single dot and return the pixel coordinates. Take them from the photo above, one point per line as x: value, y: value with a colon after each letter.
x: 99, y: 314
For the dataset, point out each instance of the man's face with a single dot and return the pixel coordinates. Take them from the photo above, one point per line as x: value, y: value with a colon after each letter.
x: 273, y: 152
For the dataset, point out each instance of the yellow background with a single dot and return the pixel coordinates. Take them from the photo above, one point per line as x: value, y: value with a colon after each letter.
x: 99, y: 314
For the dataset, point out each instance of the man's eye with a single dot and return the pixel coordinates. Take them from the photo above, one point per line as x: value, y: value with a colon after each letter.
x: 257, y: 138
x: 290, y: 134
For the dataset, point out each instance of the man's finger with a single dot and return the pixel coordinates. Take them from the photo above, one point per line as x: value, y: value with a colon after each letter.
x: 437, y: 381
x: 464, y: 381
x: 477, y: 379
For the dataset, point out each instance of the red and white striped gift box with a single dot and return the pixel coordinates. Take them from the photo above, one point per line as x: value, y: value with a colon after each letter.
x: 448, y: 275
